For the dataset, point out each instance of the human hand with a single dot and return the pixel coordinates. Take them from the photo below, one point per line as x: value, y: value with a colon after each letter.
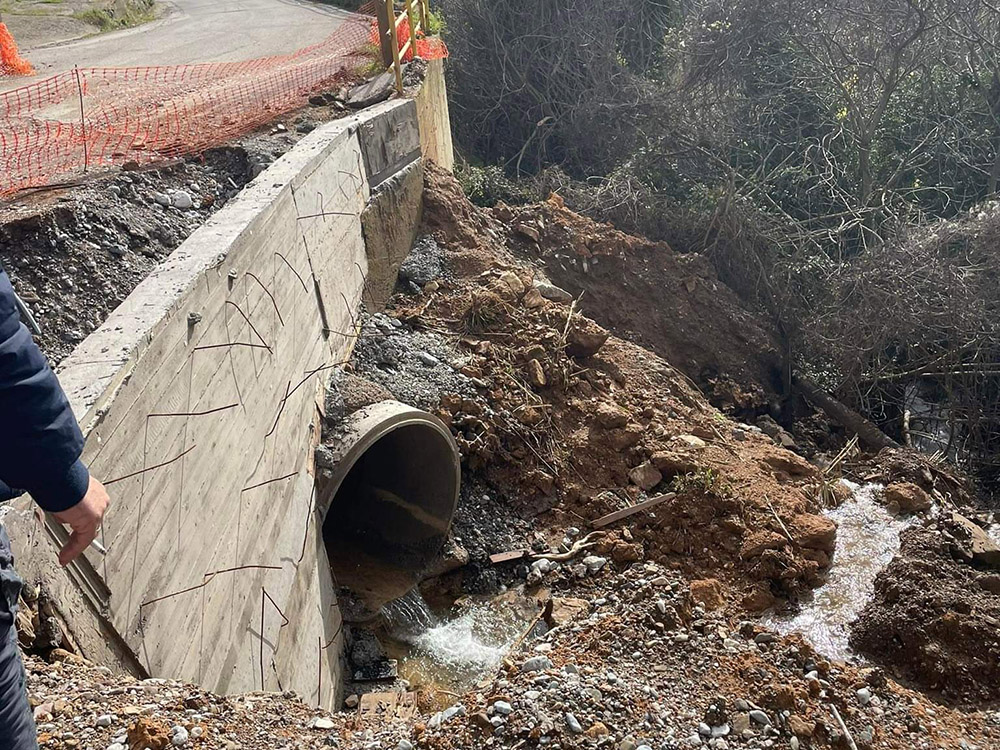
x: 84, y: 519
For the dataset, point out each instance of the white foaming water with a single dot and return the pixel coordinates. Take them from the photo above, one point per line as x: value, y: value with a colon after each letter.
x: 463, y: 643
x: 867, y: 540
x: 453, y: 651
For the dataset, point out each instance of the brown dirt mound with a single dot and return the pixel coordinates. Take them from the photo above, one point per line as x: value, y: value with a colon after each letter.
x: 672, y: 303
x: 576, y: 422
x: 935, y: 620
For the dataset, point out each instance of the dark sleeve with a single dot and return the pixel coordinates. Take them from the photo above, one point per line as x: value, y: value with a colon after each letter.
x: 40, y: 441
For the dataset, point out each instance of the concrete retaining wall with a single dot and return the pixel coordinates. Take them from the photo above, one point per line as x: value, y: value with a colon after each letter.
x: 200, y: 398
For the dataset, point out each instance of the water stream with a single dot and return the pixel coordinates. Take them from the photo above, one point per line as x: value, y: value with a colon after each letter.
x: 867, y: 540
x: 451, y: 649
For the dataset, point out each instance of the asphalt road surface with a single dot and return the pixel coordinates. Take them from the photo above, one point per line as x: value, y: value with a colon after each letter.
x: 195, y: 31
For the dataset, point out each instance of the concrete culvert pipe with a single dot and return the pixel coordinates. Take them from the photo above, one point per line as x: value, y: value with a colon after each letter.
x: 388, y: 504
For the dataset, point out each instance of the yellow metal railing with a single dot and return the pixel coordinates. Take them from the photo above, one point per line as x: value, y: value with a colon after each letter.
x: 416, y: 13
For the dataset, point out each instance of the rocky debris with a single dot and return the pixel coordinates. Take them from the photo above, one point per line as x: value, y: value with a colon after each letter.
x: 378, y: 89
x: 572, y: 421
x: 346, y: 393
x: 931, y: 620
x: 75, y: 258
x: 638, y: 664
x: 707, y: 593
x: 552, y: 292
x: 585, y: 338
x: 973, y: 543
x: 905, y: 497
x: 776, y: 432
x: 814, y: 532
x: 416, y: 367
x: 423, y: 265
x: 672, y: 303
x: 645, y: 476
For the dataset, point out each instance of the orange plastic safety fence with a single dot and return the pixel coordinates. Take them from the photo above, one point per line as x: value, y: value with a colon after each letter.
x: 429, y: 48
x: 11, y: 63
x: 149, y: 114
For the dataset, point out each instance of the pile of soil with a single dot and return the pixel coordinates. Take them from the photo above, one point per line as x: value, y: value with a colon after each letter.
x: 671, y: 303
x: 574, y: 423
x: 935, y: 619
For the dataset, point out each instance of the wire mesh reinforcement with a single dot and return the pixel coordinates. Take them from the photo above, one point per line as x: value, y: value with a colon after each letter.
x: 88, y: 119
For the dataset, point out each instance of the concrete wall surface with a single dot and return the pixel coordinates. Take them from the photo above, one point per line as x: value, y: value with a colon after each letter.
x: 200, y: 400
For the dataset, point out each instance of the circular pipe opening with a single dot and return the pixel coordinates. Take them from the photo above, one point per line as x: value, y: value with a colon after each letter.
x: 390, y: 501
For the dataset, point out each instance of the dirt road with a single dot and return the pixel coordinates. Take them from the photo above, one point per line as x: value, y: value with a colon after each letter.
x: 195, y: 31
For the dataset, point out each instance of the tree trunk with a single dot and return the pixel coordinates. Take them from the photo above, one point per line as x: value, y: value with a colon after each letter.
x: 867, y: 432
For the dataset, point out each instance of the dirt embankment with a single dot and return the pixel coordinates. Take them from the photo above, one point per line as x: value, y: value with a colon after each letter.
x: 935, y: 617
x: 671, y: 303
x: 578, y: 423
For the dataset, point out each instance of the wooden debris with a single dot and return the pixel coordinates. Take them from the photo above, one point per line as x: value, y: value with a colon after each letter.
x: 510, y: 556
x: 618, y: 515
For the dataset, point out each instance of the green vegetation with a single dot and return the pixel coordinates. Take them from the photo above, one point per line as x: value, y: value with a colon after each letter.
x: 436, y: 24
x: 703, y: 481
x: 487, y: 186
x: 119, y: 15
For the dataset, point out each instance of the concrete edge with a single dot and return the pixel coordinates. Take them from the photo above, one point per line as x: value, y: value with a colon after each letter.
x: 92, y: 374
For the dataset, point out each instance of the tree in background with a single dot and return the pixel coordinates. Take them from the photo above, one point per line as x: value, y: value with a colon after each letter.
x: 832, y: 157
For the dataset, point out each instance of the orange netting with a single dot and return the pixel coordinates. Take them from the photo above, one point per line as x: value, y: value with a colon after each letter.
x: 94, y: 118
x: 11, y: 63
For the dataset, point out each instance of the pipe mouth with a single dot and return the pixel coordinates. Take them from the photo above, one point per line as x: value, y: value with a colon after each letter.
x: 389, y: 501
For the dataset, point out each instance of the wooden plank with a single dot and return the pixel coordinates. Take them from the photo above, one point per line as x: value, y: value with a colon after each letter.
x: 406, y: 48
x: 414, y: 26
x: 503, y: 557
x: 424, y: 17
x: 383, y: 25
x: 394, y: 37
x: 618, y: 515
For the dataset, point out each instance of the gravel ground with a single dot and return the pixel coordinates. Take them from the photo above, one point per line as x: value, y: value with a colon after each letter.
x: 630, y: 659
x: 417, y: 367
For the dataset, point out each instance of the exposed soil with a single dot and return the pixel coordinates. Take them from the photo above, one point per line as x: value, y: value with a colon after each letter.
x: 579, y: 423
x: 935, y: 618
x: 671, y: 303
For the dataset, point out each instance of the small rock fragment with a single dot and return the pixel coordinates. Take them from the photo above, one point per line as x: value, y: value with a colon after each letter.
x: 537, y: 664
x: 645, y: 476
x: 573, y: 725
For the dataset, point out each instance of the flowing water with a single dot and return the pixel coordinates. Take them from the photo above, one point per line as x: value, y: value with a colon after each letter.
x: 867, y: 540
x: 453, y: 649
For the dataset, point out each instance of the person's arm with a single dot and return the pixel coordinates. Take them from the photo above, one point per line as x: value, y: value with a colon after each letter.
x: 40, y: 441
